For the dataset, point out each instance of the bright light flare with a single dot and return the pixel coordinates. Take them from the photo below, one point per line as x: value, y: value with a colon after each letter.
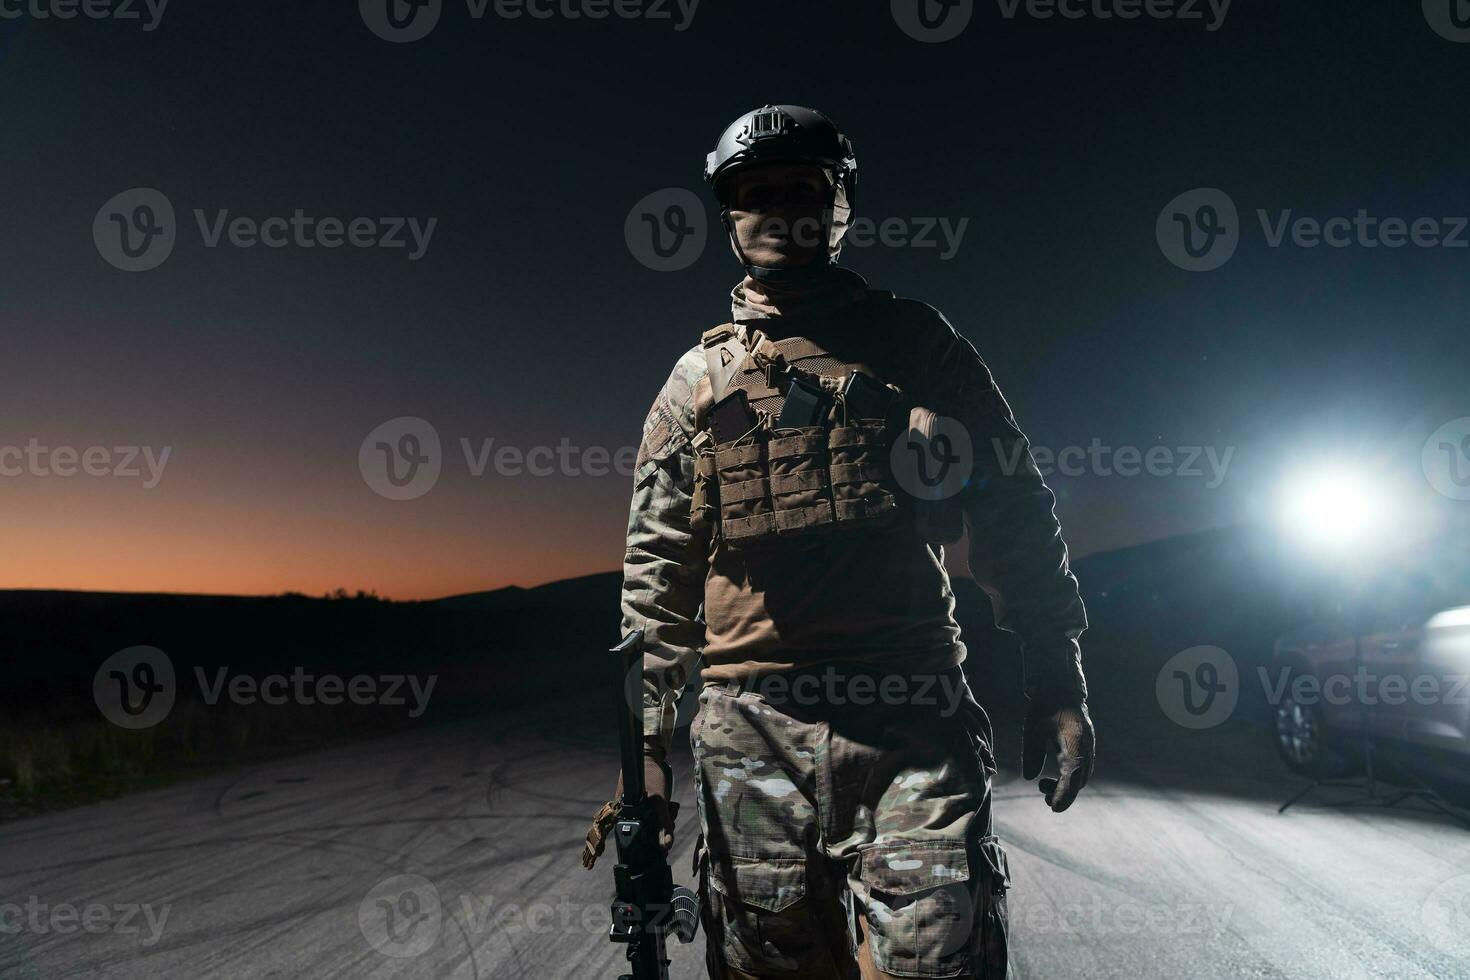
x: 1336, y: 507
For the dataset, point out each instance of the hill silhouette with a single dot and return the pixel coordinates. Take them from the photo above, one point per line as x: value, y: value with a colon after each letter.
x: 512, y: 643
x: 1233, y: 588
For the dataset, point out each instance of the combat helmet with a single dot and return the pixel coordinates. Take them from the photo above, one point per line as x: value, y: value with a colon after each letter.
x: 787, y: 134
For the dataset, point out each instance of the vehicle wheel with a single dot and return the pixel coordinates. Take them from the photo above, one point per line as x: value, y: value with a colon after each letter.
x: 1305, y: 742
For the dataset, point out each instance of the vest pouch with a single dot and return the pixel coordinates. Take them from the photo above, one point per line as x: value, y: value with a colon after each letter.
x: 859, y: 473
x: 705, y: 501
x: 801, y: 493
x: 742, y: 474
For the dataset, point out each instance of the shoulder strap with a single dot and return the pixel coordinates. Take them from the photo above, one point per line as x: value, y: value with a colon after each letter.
x: 702, y: 403
x: 723, y: 354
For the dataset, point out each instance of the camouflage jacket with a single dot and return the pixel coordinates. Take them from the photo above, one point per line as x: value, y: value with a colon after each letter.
x: 1016, y: 551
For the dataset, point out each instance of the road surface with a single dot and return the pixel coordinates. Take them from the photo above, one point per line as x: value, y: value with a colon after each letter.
x: 451, y: 852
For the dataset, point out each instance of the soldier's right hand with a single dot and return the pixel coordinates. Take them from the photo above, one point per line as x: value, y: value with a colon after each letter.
x: 656, y: 786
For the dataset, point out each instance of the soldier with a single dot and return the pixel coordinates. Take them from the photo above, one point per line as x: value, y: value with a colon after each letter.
x: 842, y: 765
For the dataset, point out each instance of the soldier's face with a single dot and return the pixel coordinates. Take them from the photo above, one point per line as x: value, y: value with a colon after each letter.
x: 777, y: 213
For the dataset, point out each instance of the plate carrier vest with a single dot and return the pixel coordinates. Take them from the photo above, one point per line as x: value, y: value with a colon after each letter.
x: 776, y: 484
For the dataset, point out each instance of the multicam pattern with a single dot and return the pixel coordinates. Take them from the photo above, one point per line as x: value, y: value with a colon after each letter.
x: 1016, y: 550
x: 891, y: 804
x: 665, y: 564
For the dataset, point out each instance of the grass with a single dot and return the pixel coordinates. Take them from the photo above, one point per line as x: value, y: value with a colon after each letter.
x: 48, y: 766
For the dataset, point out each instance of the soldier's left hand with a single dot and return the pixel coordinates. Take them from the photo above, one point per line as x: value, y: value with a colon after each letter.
x: 1064, y: 731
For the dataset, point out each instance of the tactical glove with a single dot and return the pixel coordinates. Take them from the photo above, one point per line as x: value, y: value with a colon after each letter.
x: 1065, y: 731
x: 657, y: 785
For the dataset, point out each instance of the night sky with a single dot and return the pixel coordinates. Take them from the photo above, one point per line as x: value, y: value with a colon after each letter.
x: 528, y: 319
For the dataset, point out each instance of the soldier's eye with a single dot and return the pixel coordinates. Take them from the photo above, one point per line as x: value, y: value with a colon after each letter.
x: 756, y: 198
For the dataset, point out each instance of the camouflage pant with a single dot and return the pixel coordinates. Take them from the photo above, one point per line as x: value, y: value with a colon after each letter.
x: 823, y: 824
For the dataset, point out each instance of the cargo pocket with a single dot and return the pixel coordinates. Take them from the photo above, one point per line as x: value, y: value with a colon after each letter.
x: 995, y: 921
x: 766, y: 926
x: 801, y: 497
x: 921, y: 913
x: 860, y: 486
x: 743, y: 475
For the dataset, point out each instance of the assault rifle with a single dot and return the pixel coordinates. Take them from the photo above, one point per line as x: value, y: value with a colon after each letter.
x: 647, y: 905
